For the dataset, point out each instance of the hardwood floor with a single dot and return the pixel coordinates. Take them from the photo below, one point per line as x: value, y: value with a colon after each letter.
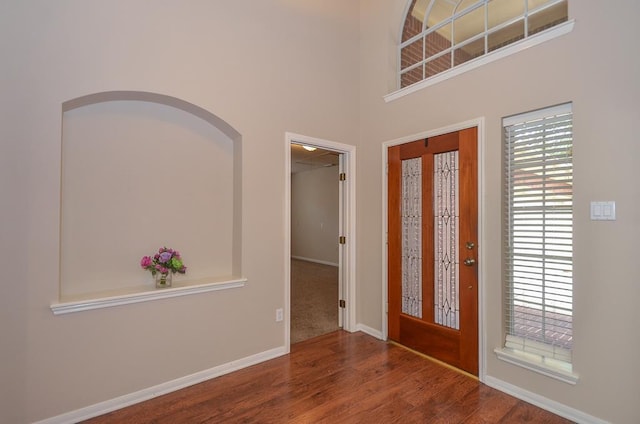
x: 337, y: 378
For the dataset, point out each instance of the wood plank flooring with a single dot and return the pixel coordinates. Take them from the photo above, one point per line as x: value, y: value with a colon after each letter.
x: 337, y: 378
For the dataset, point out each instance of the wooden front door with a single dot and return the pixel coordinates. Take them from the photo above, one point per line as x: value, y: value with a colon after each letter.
x: 433, y: 247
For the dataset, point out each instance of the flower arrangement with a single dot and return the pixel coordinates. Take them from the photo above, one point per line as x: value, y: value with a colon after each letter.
x: 165, y: 261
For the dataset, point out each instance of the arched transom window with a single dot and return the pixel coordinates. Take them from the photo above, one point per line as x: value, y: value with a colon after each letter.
x: 439, y: 35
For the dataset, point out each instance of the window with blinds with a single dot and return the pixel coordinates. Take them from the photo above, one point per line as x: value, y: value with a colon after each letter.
x: 538, y: 234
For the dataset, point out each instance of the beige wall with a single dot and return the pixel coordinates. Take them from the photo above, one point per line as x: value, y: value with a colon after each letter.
x: 596, y: 67
x: 137, y: 176
x: 315, y: 214
x: 250, y: 63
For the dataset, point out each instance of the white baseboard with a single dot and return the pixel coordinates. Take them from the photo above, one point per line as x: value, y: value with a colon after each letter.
x: 161, y: 389
x: 543, y: 402
x: 370, y: 331
x: 318, y: 261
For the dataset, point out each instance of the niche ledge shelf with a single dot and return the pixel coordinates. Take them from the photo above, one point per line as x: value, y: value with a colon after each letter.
x: 124, y: 297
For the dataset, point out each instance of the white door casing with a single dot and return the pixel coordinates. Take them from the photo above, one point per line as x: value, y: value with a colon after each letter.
x: 347, y: 213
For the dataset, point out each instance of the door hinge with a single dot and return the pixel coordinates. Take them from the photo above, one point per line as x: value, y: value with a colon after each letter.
x: 342, y: 303
x: 343, y: 176
x: 342, y: 240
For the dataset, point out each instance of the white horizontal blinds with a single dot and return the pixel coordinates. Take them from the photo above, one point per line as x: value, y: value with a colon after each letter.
x: 538, y: 232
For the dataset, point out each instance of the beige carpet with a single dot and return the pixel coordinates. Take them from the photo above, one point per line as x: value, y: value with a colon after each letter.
x: 314, y: 299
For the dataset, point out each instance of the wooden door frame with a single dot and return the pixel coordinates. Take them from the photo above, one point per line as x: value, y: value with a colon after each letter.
x: 479, y: 123
x: 347, y: 212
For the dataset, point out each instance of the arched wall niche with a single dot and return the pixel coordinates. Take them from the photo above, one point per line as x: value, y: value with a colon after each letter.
x: 140, y: 171
x: 145, y: 96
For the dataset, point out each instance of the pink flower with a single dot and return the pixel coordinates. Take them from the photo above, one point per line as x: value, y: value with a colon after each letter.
x: 163, y: 262
x: 145, y: 261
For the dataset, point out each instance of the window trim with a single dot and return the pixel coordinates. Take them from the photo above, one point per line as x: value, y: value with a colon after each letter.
x: 553, y: 366
x: 531, y: 41
x: 541, y: 365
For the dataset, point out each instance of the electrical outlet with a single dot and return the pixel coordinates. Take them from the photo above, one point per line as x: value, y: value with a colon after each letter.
x: 279, y: 314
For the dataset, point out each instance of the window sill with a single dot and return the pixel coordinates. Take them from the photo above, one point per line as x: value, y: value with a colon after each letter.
x: 531, y: 41
x: 125, y: 297
x: 554, y: 369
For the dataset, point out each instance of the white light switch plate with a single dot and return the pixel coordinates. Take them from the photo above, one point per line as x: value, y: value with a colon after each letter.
x: 603, y: 211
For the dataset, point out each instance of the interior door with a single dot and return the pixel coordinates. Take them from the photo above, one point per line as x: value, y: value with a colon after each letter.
x: 433, y: 247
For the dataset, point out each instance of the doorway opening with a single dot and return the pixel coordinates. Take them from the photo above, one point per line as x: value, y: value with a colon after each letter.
x: 320, y: 237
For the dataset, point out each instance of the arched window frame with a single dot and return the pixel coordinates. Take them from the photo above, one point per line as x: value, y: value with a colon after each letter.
x: 453, y: 69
